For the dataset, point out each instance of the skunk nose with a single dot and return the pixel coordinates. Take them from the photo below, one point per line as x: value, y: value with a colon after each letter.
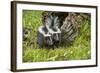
x: 56, y: 37
x: 49, y: 41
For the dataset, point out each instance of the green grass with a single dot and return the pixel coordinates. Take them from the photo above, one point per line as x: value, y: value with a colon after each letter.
x: 79, y: 50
